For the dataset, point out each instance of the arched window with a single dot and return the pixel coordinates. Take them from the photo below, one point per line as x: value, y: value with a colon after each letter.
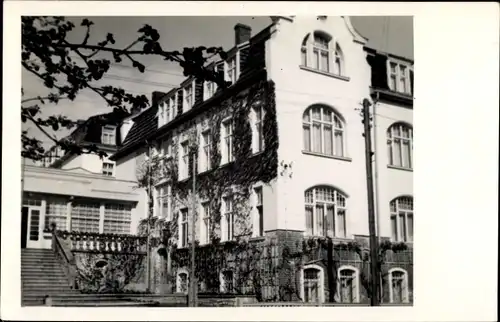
x: 400, y: 145
x: 322, y: 52
x: 398, y: 286
x: 312, y: 277
x: 348, y: 285
x: 227, y: 281
x: 325, y: 209
x: 182, y: 281
x: 323, y: 131
x: 402, y: 219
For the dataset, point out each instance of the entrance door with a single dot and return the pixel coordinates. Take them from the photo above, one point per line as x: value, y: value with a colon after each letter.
x: 24, y: 226
x: 33, y: 228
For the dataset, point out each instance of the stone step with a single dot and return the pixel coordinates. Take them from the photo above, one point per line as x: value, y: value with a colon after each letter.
x: 34, y: 289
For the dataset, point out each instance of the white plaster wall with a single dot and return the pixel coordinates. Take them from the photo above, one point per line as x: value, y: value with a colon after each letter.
x: 75, y: 161
x: 297, y: 89
x: 392, y: 182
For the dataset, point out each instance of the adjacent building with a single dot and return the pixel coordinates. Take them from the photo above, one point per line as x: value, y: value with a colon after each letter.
x: 82, y: 192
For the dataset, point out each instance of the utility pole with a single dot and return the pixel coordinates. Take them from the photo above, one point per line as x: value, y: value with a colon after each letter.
x: 192, y: 279
x: 371, y: 215
x: 150, y: 207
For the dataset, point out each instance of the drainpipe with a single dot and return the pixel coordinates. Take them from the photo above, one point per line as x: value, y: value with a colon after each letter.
x: 375, y: 166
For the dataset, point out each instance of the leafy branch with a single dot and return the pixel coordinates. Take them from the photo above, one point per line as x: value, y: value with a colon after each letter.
x: 50, y: 55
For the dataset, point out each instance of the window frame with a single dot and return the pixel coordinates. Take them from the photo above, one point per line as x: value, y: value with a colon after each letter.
x: 310, y: 45
x: 258, y: 141
x: 178, y: 281
x: 394, y: 139
x: 110, y: 211
x: 259, y: 211
x: 406, y: 292
x: 227, y: 230
x: 338, y: 197
x: 321, y: 282
x: 184, y: 160
x: 398, y: 75
x: 206, y: 151
x: 183, y: 222
x: 206, y: 222
x: 222, y: 281
x: 356, y: 284
x: 337, y: 126
x: 227, y: 149
x: 108, y: 172
x: 188, y: 89
x: 396, y: 213
x: 108, y: 134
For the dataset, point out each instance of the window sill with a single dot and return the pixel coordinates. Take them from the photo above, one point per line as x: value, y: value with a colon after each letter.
x: 257, y: 239
x: 399, y: 168
x: 344, y: 78
x: 256, y: 153
x: 327, y: 156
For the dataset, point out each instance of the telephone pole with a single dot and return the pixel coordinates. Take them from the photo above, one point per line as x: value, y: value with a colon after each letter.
x: 374, y: 299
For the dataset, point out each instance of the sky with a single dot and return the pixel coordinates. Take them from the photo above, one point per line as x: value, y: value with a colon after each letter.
x: 390, y: 34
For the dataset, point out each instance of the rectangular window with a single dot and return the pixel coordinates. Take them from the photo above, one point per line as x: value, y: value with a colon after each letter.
x: 108, y: 135
x: 205, y: 207
x: 184, y: 233
x: 259, y: 206
x: 231, y: 70
x: 173, y: 106
x: 309, y: 220
x: 347, y: 286
x: 399, y: 77
x: 166, y: 148
x: 259, y: 130
x: 394, y: 228
x: 184, y: 168
x: 210, y: 89
x: 164, y: 203
x: 409, y: 217
x: 117, y: 218
x: 188, y: 97
x: 227, y: 128
x: 206, y: 153
x: 228, y: 218
x: 107, y: 168
x: 56, y: 212
x: 307, y: 137
x: 85, y: 217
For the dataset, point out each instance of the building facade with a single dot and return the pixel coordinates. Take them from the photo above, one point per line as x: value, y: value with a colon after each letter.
x: 80, y: 193
x: 279, y: 157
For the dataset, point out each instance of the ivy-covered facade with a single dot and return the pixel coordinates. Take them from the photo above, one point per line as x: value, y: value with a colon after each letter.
x: 251, y: 233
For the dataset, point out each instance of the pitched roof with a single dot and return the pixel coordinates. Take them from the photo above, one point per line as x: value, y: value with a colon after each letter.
x: 144, y: 124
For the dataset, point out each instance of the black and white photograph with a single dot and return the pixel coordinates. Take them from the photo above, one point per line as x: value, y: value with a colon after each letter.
x: 246, y: 161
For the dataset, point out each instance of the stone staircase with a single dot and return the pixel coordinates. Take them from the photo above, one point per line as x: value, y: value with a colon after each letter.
x: 41, y: 275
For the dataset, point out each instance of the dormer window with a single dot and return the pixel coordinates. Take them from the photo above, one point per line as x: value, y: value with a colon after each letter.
x: 232, y: 69
x: 321, y: 52
x: 172, y: 107
x: 188, y: 96
x: 108, y: 135
x: 209, y: 90
x: 399, y: 77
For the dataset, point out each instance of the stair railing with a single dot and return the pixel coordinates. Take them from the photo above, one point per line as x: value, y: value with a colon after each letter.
x: 65, y: 257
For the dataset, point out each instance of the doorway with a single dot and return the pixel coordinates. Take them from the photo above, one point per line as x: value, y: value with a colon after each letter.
x: 24, y: 226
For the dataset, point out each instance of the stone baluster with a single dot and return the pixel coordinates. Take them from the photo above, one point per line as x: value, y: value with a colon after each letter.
x: 97, y: 242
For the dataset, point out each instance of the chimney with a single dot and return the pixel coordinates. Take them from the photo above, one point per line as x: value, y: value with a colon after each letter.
x: 156, y: 96
x: 242, y: 33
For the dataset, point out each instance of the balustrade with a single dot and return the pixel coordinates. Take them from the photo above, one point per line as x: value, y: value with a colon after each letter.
x: 103, y: 243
